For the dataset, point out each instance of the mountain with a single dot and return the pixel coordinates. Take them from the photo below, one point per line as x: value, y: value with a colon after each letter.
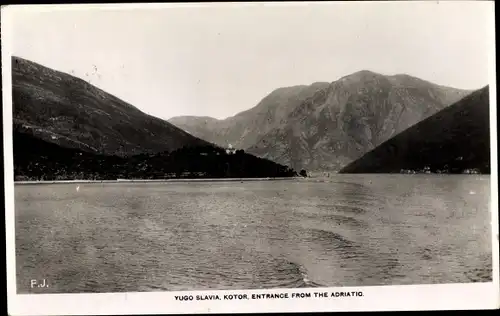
x: 246, y: 128
x: 325, y: 126
x: 454, y: 140
x: 62, y: 109
x: 36, y: 159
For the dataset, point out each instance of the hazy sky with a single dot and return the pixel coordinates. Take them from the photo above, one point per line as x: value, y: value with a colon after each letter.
x: 220, y: 60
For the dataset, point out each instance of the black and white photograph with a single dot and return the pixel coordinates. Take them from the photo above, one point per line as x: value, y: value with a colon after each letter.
x: 252, y: 157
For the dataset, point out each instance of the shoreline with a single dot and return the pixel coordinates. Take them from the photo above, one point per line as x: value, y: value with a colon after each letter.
x: 175, y: 180
x: 152, y: 180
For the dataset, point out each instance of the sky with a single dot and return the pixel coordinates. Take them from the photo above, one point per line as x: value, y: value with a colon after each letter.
x: 220, y: 59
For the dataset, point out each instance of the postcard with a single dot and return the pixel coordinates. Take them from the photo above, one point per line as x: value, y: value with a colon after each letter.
x: 250, y: 157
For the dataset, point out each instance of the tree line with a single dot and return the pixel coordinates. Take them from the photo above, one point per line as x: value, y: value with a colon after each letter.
x: 36, y: 159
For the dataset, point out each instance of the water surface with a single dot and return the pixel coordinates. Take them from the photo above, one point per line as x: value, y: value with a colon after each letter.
x: 347, y: 230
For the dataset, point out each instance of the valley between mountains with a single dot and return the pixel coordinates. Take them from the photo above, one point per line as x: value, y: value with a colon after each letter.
x: 336, y: 126
x: 325, y: 126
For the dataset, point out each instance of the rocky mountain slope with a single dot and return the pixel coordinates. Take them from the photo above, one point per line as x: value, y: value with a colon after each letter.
x: 325, y: 126
x: 62, y: 109
x: 248, y: 127
x: 454, y: 140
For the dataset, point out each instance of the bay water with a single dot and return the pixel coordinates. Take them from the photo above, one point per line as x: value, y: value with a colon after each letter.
x: 344, y: 230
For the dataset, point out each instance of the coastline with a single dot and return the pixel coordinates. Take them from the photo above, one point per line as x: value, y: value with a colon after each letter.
x: 152, y: 180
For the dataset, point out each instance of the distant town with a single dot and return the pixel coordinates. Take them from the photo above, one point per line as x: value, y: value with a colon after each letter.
x: 427, y: 170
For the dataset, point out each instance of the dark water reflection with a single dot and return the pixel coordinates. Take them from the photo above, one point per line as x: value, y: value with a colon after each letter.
x: 341, y: 231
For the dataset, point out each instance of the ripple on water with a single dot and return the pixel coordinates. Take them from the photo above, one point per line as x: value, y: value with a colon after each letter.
x: 149, y: 237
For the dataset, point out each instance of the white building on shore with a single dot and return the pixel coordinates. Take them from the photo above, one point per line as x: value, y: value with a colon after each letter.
x: 230, y: 150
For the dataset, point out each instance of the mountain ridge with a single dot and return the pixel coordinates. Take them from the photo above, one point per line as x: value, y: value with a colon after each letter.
x: 350, y: 116
x: 60, y: 108
x: 64, y: 128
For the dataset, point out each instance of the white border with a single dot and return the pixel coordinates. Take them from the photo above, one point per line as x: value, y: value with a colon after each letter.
x: 376, y: 298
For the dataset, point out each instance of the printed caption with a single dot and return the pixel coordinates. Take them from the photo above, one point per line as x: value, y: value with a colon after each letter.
x: 263, y: 296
